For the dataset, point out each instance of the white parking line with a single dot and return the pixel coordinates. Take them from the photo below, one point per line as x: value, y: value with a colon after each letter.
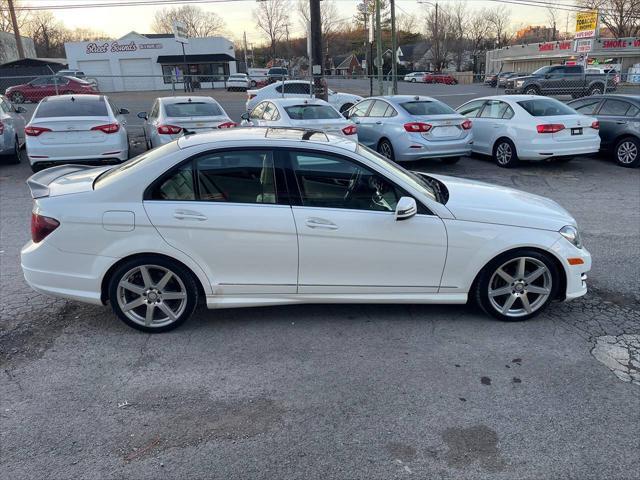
x: 455, y: 94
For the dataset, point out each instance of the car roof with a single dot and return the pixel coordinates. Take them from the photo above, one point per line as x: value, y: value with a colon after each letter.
x: 287, y: 102
x: 79, y: 97
x: 621, y: 96
x: 262, y: 137
x: 514, y: 98
x: 404, y: 98
x: 186, y: 99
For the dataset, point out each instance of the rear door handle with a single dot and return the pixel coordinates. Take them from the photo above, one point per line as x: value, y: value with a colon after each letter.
x: 378, y: 122
x: 189, y: 215
x: 320, y: 223
x: 621, y: 122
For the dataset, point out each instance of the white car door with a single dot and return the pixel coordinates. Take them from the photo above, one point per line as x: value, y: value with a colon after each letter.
x: 494, y: 122
x: 222, y: 209
x: 349, y: 240
x: 480, y: 128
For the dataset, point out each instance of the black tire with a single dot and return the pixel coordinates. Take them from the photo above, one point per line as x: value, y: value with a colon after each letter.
x: 562, y: 159
x: 631, y: 147
x: 345, y: 107
x: 450, y: 160
x: 253, y: 84
x: 488, y: 278
x: 596, y: 89
x: 505, y: 154
x: 413, y: 80
x: 181, y: 282
x: 36, y: 167
x: 386, y: 149
x: 17, y: 97
x: 532, y: 90
x: 14, y: 157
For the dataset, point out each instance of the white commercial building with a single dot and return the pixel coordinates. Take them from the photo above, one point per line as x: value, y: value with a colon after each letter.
x: 152, y: 61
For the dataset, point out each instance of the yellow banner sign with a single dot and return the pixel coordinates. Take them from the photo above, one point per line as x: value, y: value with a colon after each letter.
x: 586, y: 24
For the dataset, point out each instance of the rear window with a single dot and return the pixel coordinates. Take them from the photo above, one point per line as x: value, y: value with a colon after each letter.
x: 192, y: 109
x: 72, y: 108
x: 311, y: 112
x: 427, y: 107
x: 546, y: 107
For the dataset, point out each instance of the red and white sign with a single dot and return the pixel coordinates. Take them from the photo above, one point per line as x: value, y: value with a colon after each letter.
x: 584, y: 45
x: 116, y: 47
x: 551, y: 46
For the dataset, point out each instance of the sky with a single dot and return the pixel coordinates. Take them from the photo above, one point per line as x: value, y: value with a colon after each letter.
x: 117, y: 21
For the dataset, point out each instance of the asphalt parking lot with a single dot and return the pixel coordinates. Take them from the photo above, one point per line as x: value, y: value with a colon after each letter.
x: 344, y: 391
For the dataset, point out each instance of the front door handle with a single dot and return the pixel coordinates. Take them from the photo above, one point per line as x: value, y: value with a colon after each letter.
x: 621, y: 122
x: 320, y: 223
x: 189, y: 215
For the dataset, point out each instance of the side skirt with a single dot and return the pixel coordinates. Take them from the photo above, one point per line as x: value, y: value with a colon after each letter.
x: 238, y: 301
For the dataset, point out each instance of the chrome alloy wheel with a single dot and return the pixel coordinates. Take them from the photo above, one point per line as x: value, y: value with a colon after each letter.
x: 520, y: 287
x: 152, y: 296
x: 627, y: 152
x: 504, y: 153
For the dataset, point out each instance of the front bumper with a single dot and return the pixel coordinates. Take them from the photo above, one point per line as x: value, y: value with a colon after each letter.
x: 576, y: 275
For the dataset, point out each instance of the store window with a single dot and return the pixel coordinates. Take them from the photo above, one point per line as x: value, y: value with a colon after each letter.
x: 200, y: 72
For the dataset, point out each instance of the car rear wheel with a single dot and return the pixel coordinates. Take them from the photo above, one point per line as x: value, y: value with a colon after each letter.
x: 517, y: 285
x: 253, y: 83
x: 386, y: 149
x: 628, y: 152
x: 504, y: 153
x: 17, y: 97
x: 153, y: 294
x: 595, y: 90
x: 413, y: 80
x: 14, y: 156
x: 532, y: 91
x: 450, y: 160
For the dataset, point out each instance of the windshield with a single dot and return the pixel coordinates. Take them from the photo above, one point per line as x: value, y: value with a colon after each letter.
x: 541, y: 71
x: 192, y: 109
x: 409, y: 177
x: 428, y: 107
x: 546, y: 107
x: 311, y: 112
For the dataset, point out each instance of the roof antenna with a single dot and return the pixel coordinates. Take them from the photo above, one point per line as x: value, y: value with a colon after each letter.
x: 73, y: 99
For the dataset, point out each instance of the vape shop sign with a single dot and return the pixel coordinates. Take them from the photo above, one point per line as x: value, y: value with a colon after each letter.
x: 117, y: 47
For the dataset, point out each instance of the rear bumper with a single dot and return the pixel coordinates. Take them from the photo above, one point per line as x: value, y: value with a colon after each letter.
x: 417, y: 149
x: 532, y: 151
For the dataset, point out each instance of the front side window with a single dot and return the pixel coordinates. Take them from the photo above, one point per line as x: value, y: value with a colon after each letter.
x: 297, y: 88
x: 471, y: 109
x: 494, y: 109
x: 270, y: 111
x: 379, y: 109
x: 257, y: 112
x: 360, y: 109
x: 333, y: 182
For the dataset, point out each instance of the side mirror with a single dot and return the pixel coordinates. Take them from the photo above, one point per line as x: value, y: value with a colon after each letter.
x: 123, y: 111
x: 20, y: 109
x: 143, y: 115
x: 406, y: 208
x: 245, y: 116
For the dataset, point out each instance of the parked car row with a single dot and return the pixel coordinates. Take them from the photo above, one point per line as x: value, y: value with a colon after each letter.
x: 42, y: 87
x: 430, y: 77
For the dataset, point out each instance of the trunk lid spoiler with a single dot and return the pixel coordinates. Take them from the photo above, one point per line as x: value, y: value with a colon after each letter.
x: 39, y: 182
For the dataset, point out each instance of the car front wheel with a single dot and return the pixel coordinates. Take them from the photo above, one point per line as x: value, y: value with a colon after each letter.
x: 386, y: 149
x: 17, y: 97
x: 153, y: 294
x: 517, y: 285
x: 628, y: 152
x: 531, y: 91
x: 504, y: 153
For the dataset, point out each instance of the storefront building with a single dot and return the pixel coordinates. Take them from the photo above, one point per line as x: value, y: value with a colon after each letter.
x: 152, y: 62
x: 621, y: 52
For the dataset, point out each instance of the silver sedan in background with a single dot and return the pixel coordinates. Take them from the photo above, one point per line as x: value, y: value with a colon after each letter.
x: 11, y: 130
x: 404, y: 127
x: 171, y: 117
x: 311, y: 113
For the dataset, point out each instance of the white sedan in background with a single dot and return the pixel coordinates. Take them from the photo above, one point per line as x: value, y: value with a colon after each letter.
x: 254, y: 216
x: 76, y: 129
x: 311, y: 113
x: 172, y: 117
x: 529, y: 127
x: 414, y: 77
x: 299, y: 89
x: 238, y: 81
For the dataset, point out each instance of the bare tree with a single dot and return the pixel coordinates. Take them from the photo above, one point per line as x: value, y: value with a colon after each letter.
x: 48, y: 34
x: 500, y: 19
x: 477, y: 31
x: 272, y: 17
x: 552, y: 17
x: 328, y: 15
x: 407, y: 22
x: 198, y: 22
x: 459, y: 20
x: 5, y: 19
x: 621, y: 17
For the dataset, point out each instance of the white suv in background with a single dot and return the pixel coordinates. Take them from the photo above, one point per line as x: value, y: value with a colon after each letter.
x: 299, y: 89
x: 76, y: 129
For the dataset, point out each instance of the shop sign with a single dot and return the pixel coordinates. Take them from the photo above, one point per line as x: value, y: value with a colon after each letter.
x: 551, y: 46
x: 116, y: 47
x: 586, y: 24
x: 620, y: 43
x: 584, y: 45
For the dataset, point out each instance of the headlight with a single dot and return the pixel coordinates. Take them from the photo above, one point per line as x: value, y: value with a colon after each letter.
x: 571, y: 233
x: 519, y: 83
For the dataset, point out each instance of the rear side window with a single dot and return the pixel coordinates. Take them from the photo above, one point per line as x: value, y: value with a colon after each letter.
x: 585, y: 106
x: 429, y: 107
x: 545, y: 107
x: 92, y: 107
x: 192, y: 109
x: 311, y: 112
x: 617, y: 108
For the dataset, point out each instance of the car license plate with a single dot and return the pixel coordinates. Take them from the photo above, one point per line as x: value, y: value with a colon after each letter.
x: 445, y: 131
x: 576, y: 131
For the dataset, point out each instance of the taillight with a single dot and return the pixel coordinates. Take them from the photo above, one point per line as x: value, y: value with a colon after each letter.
x: 550, y: 128
x: 595, y: 125
x: 466, y: 125
x: 350, y: 130
x: 251, y: 95
x: 42, y: 226
x: 35, y: 131
x: 168, y: 129
x: 108, y: 128
x: 228, y: 125
x: 1, y: 128
x: 417, y: 127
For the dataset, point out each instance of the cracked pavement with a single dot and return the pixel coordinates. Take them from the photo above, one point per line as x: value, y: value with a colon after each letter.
x: 335, y: 391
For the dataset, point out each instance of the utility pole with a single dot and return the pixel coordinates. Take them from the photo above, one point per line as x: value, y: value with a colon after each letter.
x: 394, y: 48
x: 16, y: 30
x: 379, y: 50
x: 316, y: 49
x: 246, y: 63
x: 437, y: 40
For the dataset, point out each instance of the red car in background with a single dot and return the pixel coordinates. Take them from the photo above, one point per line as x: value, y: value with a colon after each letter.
x: 440, y: 78
x: 42, y: 87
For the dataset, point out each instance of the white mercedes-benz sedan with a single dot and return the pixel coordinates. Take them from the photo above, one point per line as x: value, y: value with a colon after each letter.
x: 250, y: 217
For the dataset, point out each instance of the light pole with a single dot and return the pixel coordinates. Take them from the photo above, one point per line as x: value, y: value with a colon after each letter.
x: 435, y: 32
